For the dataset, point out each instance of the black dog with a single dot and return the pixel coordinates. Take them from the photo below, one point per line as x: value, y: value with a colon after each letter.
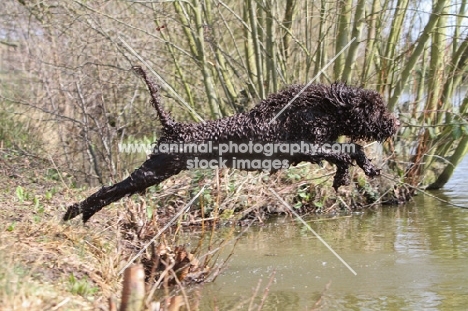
x: 319, y: 115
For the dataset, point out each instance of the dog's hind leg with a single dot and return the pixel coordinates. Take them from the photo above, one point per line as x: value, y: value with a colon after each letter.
x: 153, y: 171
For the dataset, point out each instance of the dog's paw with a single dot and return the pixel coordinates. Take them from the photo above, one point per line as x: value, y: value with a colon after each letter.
x: 372, y: 172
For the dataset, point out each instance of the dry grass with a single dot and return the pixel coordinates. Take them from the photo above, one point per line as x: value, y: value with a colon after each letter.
x: 46, y: 264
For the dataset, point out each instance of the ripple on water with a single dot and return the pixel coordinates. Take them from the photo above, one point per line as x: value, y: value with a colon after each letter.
x: 410, y: 257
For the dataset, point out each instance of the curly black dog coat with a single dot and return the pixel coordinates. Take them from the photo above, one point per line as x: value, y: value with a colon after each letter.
x: 320, y: 114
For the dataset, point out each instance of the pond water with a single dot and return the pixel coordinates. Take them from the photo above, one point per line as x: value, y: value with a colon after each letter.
x: 411, y: 257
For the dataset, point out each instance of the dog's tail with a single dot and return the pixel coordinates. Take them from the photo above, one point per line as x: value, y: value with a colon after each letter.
x: 153, y: 171
x: 164, y: 116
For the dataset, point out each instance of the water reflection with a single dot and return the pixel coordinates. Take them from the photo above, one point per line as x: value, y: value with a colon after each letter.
x: 411, y: 257
x: 457, y: 187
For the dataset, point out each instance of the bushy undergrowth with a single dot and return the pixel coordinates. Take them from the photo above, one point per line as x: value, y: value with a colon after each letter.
x: 46, y: 263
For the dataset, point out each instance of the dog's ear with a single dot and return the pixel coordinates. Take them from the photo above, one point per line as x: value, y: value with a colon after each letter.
x: 343, y: 96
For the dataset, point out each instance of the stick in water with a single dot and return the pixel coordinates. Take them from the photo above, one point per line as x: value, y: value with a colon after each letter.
x: 312, y: 230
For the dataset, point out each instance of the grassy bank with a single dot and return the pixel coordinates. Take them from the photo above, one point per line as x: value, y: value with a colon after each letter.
x: 48, y: 264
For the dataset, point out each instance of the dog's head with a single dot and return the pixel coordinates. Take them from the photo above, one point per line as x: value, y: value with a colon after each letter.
x: 363, y: 113
x: 380, y: 123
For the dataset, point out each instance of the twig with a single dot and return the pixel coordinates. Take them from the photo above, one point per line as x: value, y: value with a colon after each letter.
x: 312, y: 230
x: 254, y: 294
x: 312, y: 80
x: 425, y: 192
x: 267, y: 289
x: 319, y: 301
x: 61, y: 304
x: 161, y: 277
x: 184, y: 293
x: 186, y: 207
x: 58, y: 172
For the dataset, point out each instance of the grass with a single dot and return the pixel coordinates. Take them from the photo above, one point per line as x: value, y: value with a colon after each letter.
x: 46, y: 264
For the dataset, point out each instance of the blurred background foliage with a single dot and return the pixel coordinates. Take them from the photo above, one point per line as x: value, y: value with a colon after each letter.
x: 67, y: 89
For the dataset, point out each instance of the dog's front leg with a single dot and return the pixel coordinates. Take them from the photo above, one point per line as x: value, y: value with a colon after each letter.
x: 363, y: 162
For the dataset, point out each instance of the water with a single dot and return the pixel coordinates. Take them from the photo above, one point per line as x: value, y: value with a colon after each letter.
x: 411, y: 257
